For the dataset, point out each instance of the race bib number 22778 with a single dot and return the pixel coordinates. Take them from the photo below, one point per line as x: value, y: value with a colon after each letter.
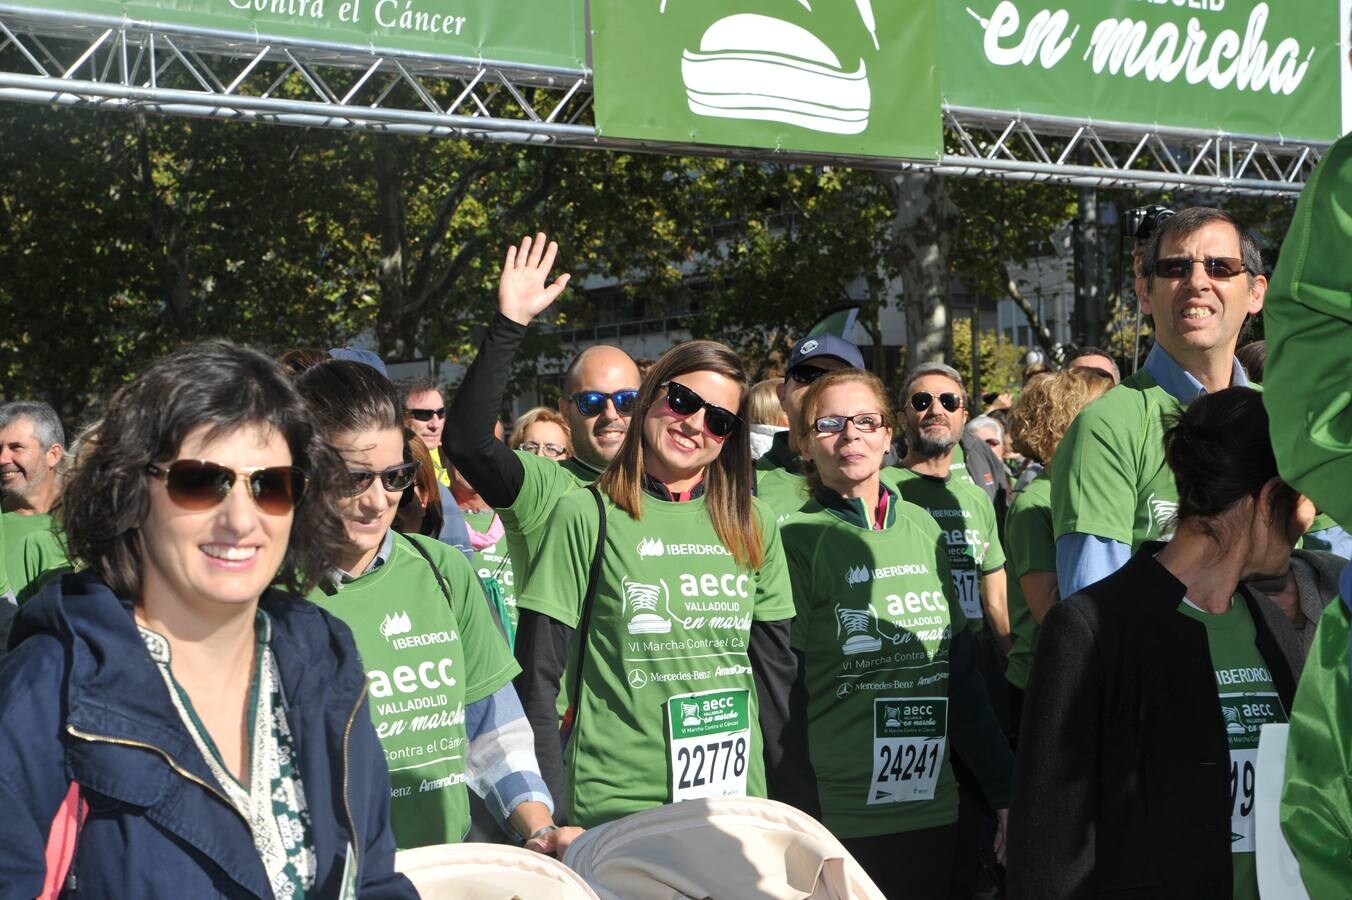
x: 709, y: 744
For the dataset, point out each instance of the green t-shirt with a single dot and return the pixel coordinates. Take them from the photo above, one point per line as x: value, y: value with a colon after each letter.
x: 875, y: 612
x: 1316, y: 808
x: 545, y: 482
x: 1248, y: 701
x: 1032, y: 548
x: 1306, y: 317
x: 668, y: 706
x: 5, y: 591
x: 966, y: 520
x: 1110, y: 478
x: 495, y: 561
x: 426, y: 660
x: 33, y: 554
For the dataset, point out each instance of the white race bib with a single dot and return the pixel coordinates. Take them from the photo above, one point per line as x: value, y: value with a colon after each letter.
x: 709, y: 744
x: 908, y: 748
x: 969, y: 594
x: 1245, y: 715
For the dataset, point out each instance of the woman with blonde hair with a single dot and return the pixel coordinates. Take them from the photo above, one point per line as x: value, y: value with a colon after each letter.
x: 1036, y: 425
x: 766, y: 416
x: 544, y: 432
x: 665, y: 591
x: 891, y: 688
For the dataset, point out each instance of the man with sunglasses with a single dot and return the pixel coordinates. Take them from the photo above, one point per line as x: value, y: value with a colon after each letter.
x: 780, y: 480
x: 934, y: 417
x: 600, y: 387
x: 1200, y: 280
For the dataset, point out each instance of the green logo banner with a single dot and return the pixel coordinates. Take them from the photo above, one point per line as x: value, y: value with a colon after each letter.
x: 852, y: 77
x: 531, y: 32
x: 1240, y: 66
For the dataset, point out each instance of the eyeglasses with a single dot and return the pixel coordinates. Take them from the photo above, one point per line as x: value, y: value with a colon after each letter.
x: 684, y: 402
x: 1220, y: 267
x: 427, y: 415
x: 806, y: 374
x: 923, y: 400
x: 553, y: 451
x: 195, y: 484
x: 865, y: 422
x: 394, y: 479
x: 593, y: 403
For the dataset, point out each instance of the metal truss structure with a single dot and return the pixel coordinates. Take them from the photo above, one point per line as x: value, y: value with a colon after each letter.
x: 116, y: 64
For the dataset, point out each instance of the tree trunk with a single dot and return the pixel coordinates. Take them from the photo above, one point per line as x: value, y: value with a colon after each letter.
x: 921, y: 236
x: 395, y: 334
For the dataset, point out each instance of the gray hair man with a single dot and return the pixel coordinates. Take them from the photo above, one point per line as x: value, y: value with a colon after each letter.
x: 32, y: 445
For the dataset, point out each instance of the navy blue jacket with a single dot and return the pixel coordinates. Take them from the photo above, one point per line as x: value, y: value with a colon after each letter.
x: 81, y: 699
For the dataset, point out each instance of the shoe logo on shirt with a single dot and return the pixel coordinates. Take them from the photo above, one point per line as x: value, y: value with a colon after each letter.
x: 640, y: 606
x: 651, y: 547
x: 395, y: 624
x: 1163, y: 512
x: 857, y: 575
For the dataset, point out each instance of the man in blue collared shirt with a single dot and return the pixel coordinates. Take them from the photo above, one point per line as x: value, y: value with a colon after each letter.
x: 1201, y: 280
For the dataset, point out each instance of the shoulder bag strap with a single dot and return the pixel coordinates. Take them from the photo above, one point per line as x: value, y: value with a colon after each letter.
x: 588, y: 599
x: 446, y: 591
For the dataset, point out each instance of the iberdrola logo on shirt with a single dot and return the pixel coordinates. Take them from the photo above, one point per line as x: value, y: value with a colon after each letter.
x: 651, y: 547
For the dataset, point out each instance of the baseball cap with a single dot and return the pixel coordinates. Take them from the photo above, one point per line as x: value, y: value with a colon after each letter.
x: 366, y: 357
x: 826, y: 345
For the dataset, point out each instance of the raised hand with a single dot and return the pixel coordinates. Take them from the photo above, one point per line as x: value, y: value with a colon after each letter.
x: 523, y: 288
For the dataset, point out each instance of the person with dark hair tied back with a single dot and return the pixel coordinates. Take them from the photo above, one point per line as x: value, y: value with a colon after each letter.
x: 666, y: 592
x: 1136, y: 763
x: 170, y: 725
x: 440, y: 671
x: 889, y: 688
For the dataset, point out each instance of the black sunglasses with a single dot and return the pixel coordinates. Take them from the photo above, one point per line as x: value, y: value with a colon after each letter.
x: 394, y: 479
x: 593, y: 403
x: 684, y: 402
x: 923, y: 400
x: 1214, y: 266
x: 426, y: 415
x: 806, y: 374
x: 196, y: 484
x: 865, y: 422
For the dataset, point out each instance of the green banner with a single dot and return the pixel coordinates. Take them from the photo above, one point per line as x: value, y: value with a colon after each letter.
x: 850, y: 77
x: 1240, y: 66
x: 531, y: 32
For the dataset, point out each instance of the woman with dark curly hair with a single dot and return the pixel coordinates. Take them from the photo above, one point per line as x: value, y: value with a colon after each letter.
x: 189, y: 729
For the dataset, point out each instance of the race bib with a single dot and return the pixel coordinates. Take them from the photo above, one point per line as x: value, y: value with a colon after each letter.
x: 969, y: 594
x: 709, y: 744
x: 908, y: 748
x: 1245, y: 715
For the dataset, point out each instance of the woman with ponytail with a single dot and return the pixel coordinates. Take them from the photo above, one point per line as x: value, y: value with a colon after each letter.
x: 1136, y: 762
x: 665, y: 595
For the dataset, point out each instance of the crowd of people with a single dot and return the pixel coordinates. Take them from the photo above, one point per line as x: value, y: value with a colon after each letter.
x: 270, y: 621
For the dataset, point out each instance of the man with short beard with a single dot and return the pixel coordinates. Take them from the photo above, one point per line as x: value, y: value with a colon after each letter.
x: 933, y: 415
x: 32, y: 445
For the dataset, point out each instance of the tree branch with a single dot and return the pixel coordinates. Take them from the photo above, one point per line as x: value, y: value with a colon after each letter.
x: 1044, y: 337
x: 436, y: 235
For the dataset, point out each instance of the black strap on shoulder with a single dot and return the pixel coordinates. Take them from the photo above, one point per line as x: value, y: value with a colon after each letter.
x: 588, y: 599
x: 446, y: 591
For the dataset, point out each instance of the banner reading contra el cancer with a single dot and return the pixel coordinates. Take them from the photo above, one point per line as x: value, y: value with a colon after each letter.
x: 531, y: 32
x: 1241, y: 66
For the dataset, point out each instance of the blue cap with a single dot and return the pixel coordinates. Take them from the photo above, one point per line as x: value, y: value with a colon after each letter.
x: 365, y: 357
x: 826, y: 345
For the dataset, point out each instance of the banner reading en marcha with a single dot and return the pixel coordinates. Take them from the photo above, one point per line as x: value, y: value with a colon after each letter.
x: 1242, y: 66
x: 533, y: 32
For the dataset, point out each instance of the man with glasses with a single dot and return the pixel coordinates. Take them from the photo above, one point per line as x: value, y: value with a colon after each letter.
x: 933, y: 417
x: 425, y: 416
x: 780, y: 480
x: 599, y: 392
x: 1200, y: 280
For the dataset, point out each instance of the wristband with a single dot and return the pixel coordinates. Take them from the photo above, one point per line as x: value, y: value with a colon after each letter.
x: 540, y: 832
